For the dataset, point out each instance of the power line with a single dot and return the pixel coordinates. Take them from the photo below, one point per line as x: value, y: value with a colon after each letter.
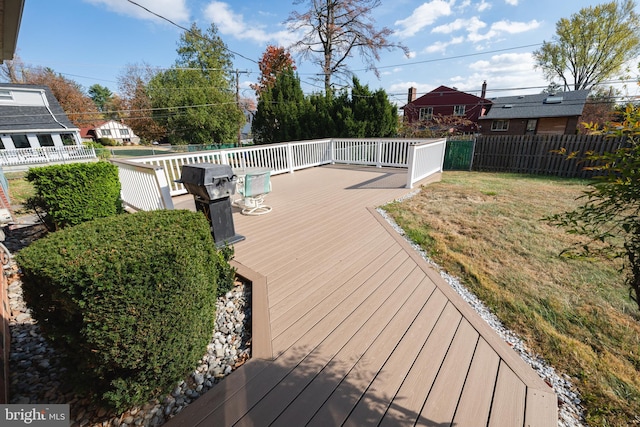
x: 189, y: 31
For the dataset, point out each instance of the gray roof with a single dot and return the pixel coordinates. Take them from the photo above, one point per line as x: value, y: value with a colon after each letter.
x: 16, y: 117
x: 563, y: 104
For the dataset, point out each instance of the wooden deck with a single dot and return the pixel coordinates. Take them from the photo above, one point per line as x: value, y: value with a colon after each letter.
x: 352, y: 327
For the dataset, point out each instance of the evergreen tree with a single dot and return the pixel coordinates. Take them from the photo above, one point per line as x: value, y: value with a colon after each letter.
x: 281, y: 108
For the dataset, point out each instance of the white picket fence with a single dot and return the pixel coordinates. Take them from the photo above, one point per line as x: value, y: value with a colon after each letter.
x: 29, y: 156
x: 421, y: 157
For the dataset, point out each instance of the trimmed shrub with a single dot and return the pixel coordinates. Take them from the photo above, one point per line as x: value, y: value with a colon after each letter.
x: 128, y: 300
x: 74, y: 193
x: 107, y: 142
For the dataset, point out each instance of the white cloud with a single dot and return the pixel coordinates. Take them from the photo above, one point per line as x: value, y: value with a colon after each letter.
x: 441, y: 46
x: 175, y: 10
x: 233, y: 24
x: 471, y: 25
x: 412, y: 54
x: 484, y: 5
x: 423, y: 16
x: 501, y: 27
x: 515, y: 71
x: 511, y: 2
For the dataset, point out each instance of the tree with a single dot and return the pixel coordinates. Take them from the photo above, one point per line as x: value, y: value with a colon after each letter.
x: 599, y: 109
x: 281, y: 111
x: 333, y: 30
x: 101, y: 96
x: 365, y: 114
x: 274, y: 61
x: 132, y: 86
x: 610, y: 217
x: 592, y: 45
x: 195, y: 99
x: 13, y: 71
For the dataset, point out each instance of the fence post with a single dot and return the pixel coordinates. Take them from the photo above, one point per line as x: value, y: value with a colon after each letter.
x: 410, y: 166
x: 379, y: 154
x: 165, y: 190
x: 290, y: 164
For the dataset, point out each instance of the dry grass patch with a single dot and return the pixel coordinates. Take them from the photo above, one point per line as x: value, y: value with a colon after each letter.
x: 488, y: 230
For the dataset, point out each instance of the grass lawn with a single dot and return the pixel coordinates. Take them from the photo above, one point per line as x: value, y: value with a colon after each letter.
x: 487, y: 229
x: 19, y: 191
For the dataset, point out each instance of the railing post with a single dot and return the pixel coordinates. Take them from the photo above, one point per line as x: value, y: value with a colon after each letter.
x: 290, y: 164
x: 410, y: 165
x: 332, y: 151
x: 165, y: 190
x: 379, y: 154
x: 223, y: 157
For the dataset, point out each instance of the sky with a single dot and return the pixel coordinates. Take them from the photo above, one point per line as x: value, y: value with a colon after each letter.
x: 456, y: 43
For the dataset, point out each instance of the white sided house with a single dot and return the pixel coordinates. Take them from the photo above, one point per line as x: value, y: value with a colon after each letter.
x: 112, y: 129
x: 31, y: 117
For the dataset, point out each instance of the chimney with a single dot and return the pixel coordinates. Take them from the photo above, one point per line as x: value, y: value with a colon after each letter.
x: 484, y: 89
x: 412, y: 95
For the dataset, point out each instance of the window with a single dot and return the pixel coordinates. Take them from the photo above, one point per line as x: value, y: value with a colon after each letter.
x: 124, y: 132
x: 458, y: 110
x: 531, y: 125
x: 426, y: 113
x: 68, y: 139
x: 45, y: 140
x: 105, y: 132
x: 20, y: 141
x: 500, y: 125
x: 5, y: 95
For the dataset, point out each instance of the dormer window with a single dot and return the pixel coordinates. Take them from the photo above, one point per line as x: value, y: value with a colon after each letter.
x: 6, y: 95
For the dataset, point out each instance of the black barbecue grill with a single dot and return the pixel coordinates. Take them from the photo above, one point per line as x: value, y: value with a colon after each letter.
x: 212, y: 185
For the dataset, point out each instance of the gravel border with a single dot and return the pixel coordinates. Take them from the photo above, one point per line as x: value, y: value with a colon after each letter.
x: 570, y: 410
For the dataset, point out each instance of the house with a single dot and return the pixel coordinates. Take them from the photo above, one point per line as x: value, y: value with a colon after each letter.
x: 539, y: 114
x: 111, y: 129
x: 31, y: 117
x: 444, y: 101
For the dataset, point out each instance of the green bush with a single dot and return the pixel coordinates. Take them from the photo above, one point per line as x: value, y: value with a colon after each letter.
x: 108, y: 142
x: 74, y: 193
x: 129, y: 300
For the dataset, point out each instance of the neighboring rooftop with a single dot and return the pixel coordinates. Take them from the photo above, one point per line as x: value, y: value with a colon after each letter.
x: 562, y: 104
x: 19, y: 116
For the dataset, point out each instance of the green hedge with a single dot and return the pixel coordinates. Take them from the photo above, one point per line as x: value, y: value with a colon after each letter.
x: 128, y: 300
x: 74, y: 193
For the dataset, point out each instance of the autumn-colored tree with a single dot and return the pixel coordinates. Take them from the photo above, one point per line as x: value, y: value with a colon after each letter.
x: 77, y: 106
x: 599, y: 109
x: 274, y: 61
x: 136, y: 103
x: 333, y: 30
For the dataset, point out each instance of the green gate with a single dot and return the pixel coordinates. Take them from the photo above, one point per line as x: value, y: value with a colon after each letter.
x: 458, y: 155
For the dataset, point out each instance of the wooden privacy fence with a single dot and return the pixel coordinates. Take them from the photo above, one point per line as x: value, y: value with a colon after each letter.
x: 538, y: 154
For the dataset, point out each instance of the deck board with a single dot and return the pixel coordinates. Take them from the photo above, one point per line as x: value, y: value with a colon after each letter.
x: 357, y: 329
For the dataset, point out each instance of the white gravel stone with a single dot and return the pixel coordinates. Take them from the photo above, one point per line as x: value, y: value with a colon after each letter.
x: 570, y: 412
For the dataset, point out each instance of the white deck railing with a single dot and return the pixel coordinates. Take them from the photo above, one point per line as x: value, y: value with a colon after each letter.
x: 426, y: 158
x: 26, y: 156
x: 143, y: 187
